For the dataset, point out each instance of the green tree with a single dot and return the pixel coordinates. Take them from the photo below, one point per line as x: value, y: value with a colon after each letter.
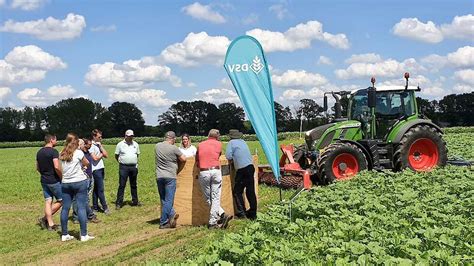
x: 126, y: 116
x: 283, y: 117
x: 230, y: 117
x: 71, y: 115
x: 10, y: 122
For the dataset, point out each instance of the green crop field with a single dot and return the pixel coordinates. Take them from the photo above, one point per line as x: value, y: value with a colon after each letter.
x: 374, y: 218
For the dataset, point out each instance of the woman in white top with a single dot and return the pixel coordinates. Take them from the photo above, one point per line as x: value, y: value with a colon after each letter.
x: 74, y: 185
x: 186, y: 148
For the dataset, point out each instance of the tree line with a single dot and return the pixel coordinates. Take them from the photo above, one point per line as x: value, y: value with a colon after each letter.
x: 196, y: 118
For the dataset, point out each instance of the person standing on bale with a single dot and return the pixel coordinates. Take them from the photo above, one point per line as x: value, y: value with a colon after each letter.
x: 210, y: 178
x: 186, y: 147
x: 238, y: 152
x: 126, y: 154
x: 47, y: 164
x: 168, y: 158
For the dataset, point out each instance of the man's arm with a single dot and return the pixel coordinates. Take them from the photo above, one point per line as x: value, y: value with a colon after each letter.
x: 103, y: 151
x: 57, y: 168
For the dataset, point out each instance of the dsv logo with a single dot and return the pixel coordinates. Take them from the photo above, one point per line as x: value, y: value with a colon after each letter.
x: 256, y: 66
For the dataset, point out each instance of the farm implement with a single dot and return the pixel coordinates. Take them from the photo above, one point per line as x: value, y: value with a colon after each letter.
x: 383, y: 130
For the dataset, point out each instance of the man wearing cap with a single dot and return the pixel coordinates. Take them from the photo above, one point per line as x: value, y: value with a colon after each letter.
x: 126, y: 153
x: 167, y: 158
x: 210, y: 178
x: 238, y: 152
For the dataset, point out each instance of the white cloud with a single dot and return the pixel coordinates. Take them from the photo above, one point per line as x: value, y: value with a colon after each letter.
x: 462, y: 27
x: 252, y: 18
x: 2, y: 3
x: 466, y: 76
x: 203, y: 12
x: 279, y: 10
x: 4, y: 92
x: 434, y: 62
x: 298, y: 79
x: 27, y: 64
x: 364, y: 58
x: 298, y: 37
x: 463, y: 57
x: 61, y: 91
x: 50, y: 28
x: 27, y: 5
x: 324, y: 60
x: 141, y: 97
x: 129, y: 74
x: 31, y: 56
x: 463, y: 88
x: 104, y: 28
x: 197, y: 48
x: 296, y: 94
x: 32, y: 97
x: 37, y: 97
x: 218, y: 96
x: 10, y: 74
x: 412, y: 28
x: 387, y: 68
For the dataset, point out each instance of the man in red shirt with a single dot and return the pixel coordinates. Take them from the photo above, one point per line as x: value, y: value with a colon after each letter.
x: 210, y: 178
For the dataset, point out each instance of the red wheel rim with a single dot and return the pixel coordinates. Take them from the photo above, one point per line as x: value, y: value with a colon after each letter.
x: 423, y: 155
x: 344, y: 166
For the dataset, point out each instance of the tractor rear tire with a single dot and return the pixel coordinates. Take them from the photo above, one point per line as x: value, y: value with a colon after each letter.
x: 421, y: 149
x: 340, y: 161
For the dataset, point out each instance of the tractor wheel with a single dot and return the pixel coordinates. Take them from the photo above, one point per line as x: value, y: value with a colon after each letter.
x: 421, y: 149
x: 300, y: 156
x: 340, y: 161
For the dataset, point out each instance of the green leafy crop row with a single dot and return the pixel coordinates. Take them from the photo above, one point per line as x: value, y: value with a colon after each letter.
x: 375, y: 218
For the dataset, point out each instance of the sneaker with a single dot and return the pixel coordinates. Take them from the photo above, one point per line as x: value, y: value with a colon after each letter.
x: 165, y: 226
x: 174, y: 220
x: 94, y: 220
x: 117, y: 207
x: 67, y: 237
x: 224, y: 221
x: 55, y: 227
x: 136, y: 204
x: 107, y: 212
x: 42, y: 222
x: 86, y: 238
x: 74, y: 221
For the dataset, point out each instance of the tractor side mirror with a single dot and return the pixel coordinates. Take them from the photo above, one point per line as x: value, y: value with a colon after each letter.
x: 325, y: 106
x: 372, y: 97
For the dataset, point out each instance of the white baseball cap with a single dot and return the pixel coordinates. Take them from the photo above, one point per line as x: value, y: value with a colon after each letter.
x: 129, y: 133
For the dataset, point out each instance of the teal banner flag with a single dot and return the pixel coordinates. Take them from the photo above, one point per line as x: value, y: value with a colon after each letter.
x: 247, y: 68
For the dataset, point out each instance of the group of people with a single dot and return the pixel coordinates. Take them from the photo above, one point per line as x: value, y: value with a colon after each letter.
x: 70, y: 176
x: 169, y: 160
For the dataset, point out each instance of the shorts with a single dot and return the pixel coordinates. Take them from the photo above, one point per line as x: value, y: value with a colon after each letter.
x: 52, y: 190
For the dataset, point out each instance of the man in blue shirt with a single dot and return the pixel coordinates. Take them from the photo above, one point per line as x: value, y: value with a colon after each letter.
x: 238, y: 152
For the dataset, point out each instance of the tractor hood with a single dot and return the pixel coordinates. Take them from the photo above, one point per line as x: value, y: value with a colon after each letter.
x: 325, y: 134
x: 315, y: 134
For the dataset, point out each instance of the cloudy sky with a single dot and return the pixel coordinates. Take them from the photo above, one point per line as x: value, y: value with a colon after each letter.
x: 155, y: 53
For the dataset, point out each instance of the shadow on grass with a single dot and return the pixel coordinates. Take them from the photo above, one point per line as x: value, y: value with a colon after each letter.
x: 154, y: 221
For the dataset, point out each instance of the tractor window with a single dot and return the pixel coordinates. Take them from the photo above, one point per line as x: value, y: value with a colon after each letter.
x: 358, y: 104
x: 394, y: 104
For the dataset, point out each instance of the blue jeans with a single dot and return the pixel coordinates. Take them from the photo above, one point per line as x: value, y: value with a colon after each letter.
x: 166, y: 189
x: 76, y: 190
x: 51, y: 191
x: 99, y: 190
x: 90, y: 213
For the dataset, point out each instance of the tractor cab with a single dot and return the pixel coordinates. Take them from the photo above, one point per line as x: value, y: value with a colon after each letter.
x: 391, y: 105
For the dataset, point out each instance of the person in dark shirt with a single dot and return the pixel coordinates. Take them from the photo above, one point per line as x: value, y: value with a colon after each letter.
x: 47, y: 164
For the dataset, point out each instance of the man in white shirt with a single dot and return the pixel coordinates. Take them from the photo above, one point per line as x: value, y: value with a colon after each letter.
x: 98, y: 152
x: 126, y: 154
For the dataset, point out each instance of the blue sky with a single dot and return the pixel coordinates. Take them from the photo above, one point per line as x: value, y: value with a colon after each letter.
x: 155, y: 53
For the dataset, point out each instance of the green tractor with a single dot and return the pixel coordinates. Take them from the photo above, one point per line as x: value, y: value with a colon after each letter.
x: 383, y: 130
